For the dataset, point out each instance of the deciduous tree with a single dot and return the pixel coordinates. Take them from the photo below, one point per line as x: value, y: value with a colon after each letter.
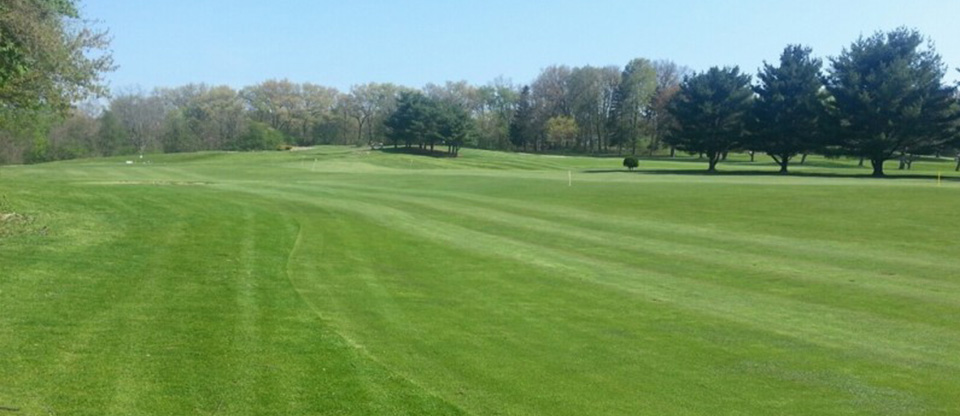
x: 561, y: 132
x: 669, y: 76
x: 632, y: 103
x: 48, y: 56
x: 591, y: 96
x: 141, y: 117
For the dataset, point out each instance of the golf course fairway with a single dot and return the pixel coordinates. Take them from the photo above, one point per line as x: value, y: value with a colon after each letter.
x: 338, y: 280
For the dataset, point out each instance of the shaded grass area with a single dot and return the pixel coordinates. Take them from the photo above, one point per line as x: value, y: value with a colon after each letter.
x: 814, y: 174
x: 342, y: 281
x: 439, y: 151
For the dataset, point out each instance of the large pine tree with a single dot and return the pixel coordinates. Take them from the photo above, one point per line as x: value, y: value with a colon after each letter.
x: 427, y: 122
x: 412, y: 121
x: 788, y: 109
x: 521, y: 126
x: 889, y: 97
x: 710, y: 111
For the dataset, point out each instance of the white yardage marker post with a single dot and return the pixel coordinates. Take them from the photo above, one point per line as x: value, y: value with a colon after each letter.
x: 569, y: 178
x: 938, y: 178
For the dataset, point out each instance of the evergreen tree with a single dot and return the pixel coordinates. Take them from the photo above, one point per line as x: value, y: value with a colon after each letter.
x: 889, y: 99
x: 409, y: 123
x: 710, y: 111
x: 789, y: 108
x: 521, y: 127
x: 455, y: 127
x: 425, y: 121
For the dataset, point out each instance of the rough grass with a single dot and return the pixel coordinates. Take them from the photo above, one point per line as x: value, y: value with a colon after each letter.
x: 344, y: 281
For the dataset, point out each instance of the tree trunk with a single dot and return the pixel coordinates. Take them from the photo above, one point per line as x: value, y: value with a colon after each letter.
x: 599, y: 139
x: 712, y: 160
x: 877, y: 167
x: 803, y: 159
x: 957, y: 169
x: 861, y: 162
x: 359, y: 131
x: 782, y: 161
x: 751, y: 156
x: 673, y: 151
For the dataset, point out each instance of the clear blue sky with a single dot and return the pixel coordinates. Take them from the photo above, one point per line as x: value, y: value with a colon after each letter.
x: 341, y: 43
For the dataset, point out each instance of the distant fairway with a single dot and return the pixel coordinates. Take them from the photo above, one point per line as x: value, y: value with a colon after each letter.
x: 341, y: 281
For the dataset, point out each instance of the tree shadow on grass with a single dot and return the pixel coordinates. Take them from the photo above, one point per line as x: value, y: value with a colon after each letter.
x: 438, y: 153
x: 731, y: 173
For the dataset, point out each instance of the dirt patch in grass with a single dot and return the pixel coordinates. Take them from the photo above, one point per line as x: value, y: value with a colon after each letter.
x: 13, y: 223
x: 11, y: 217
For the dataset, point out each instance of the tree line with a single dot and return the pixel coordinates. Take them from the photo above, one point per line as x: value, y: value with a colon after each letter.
x: 883, y: 97
x: 565, y: 109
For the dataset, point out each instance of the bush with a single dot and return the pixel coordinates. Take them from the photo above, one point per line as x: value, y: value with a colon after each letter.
x: 631, y: 162
x: 258, y: 136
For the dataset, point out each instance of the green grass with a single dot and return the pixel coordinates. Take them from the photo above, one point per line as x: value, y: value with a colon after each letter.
x: 343, y: 281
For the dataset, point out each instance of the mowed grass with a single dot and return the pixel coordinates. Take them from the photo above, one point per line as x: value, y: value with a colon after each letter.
x: 343, y: 281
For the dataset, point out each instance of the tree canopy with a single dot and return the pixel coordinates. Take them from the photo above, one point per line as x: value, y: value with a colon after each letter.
x: 710, y: 110
x: 48, y: 58
x: 631, y: 103
x: 888, y: 97
x: 789, y: 107
x: 425, y: 121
